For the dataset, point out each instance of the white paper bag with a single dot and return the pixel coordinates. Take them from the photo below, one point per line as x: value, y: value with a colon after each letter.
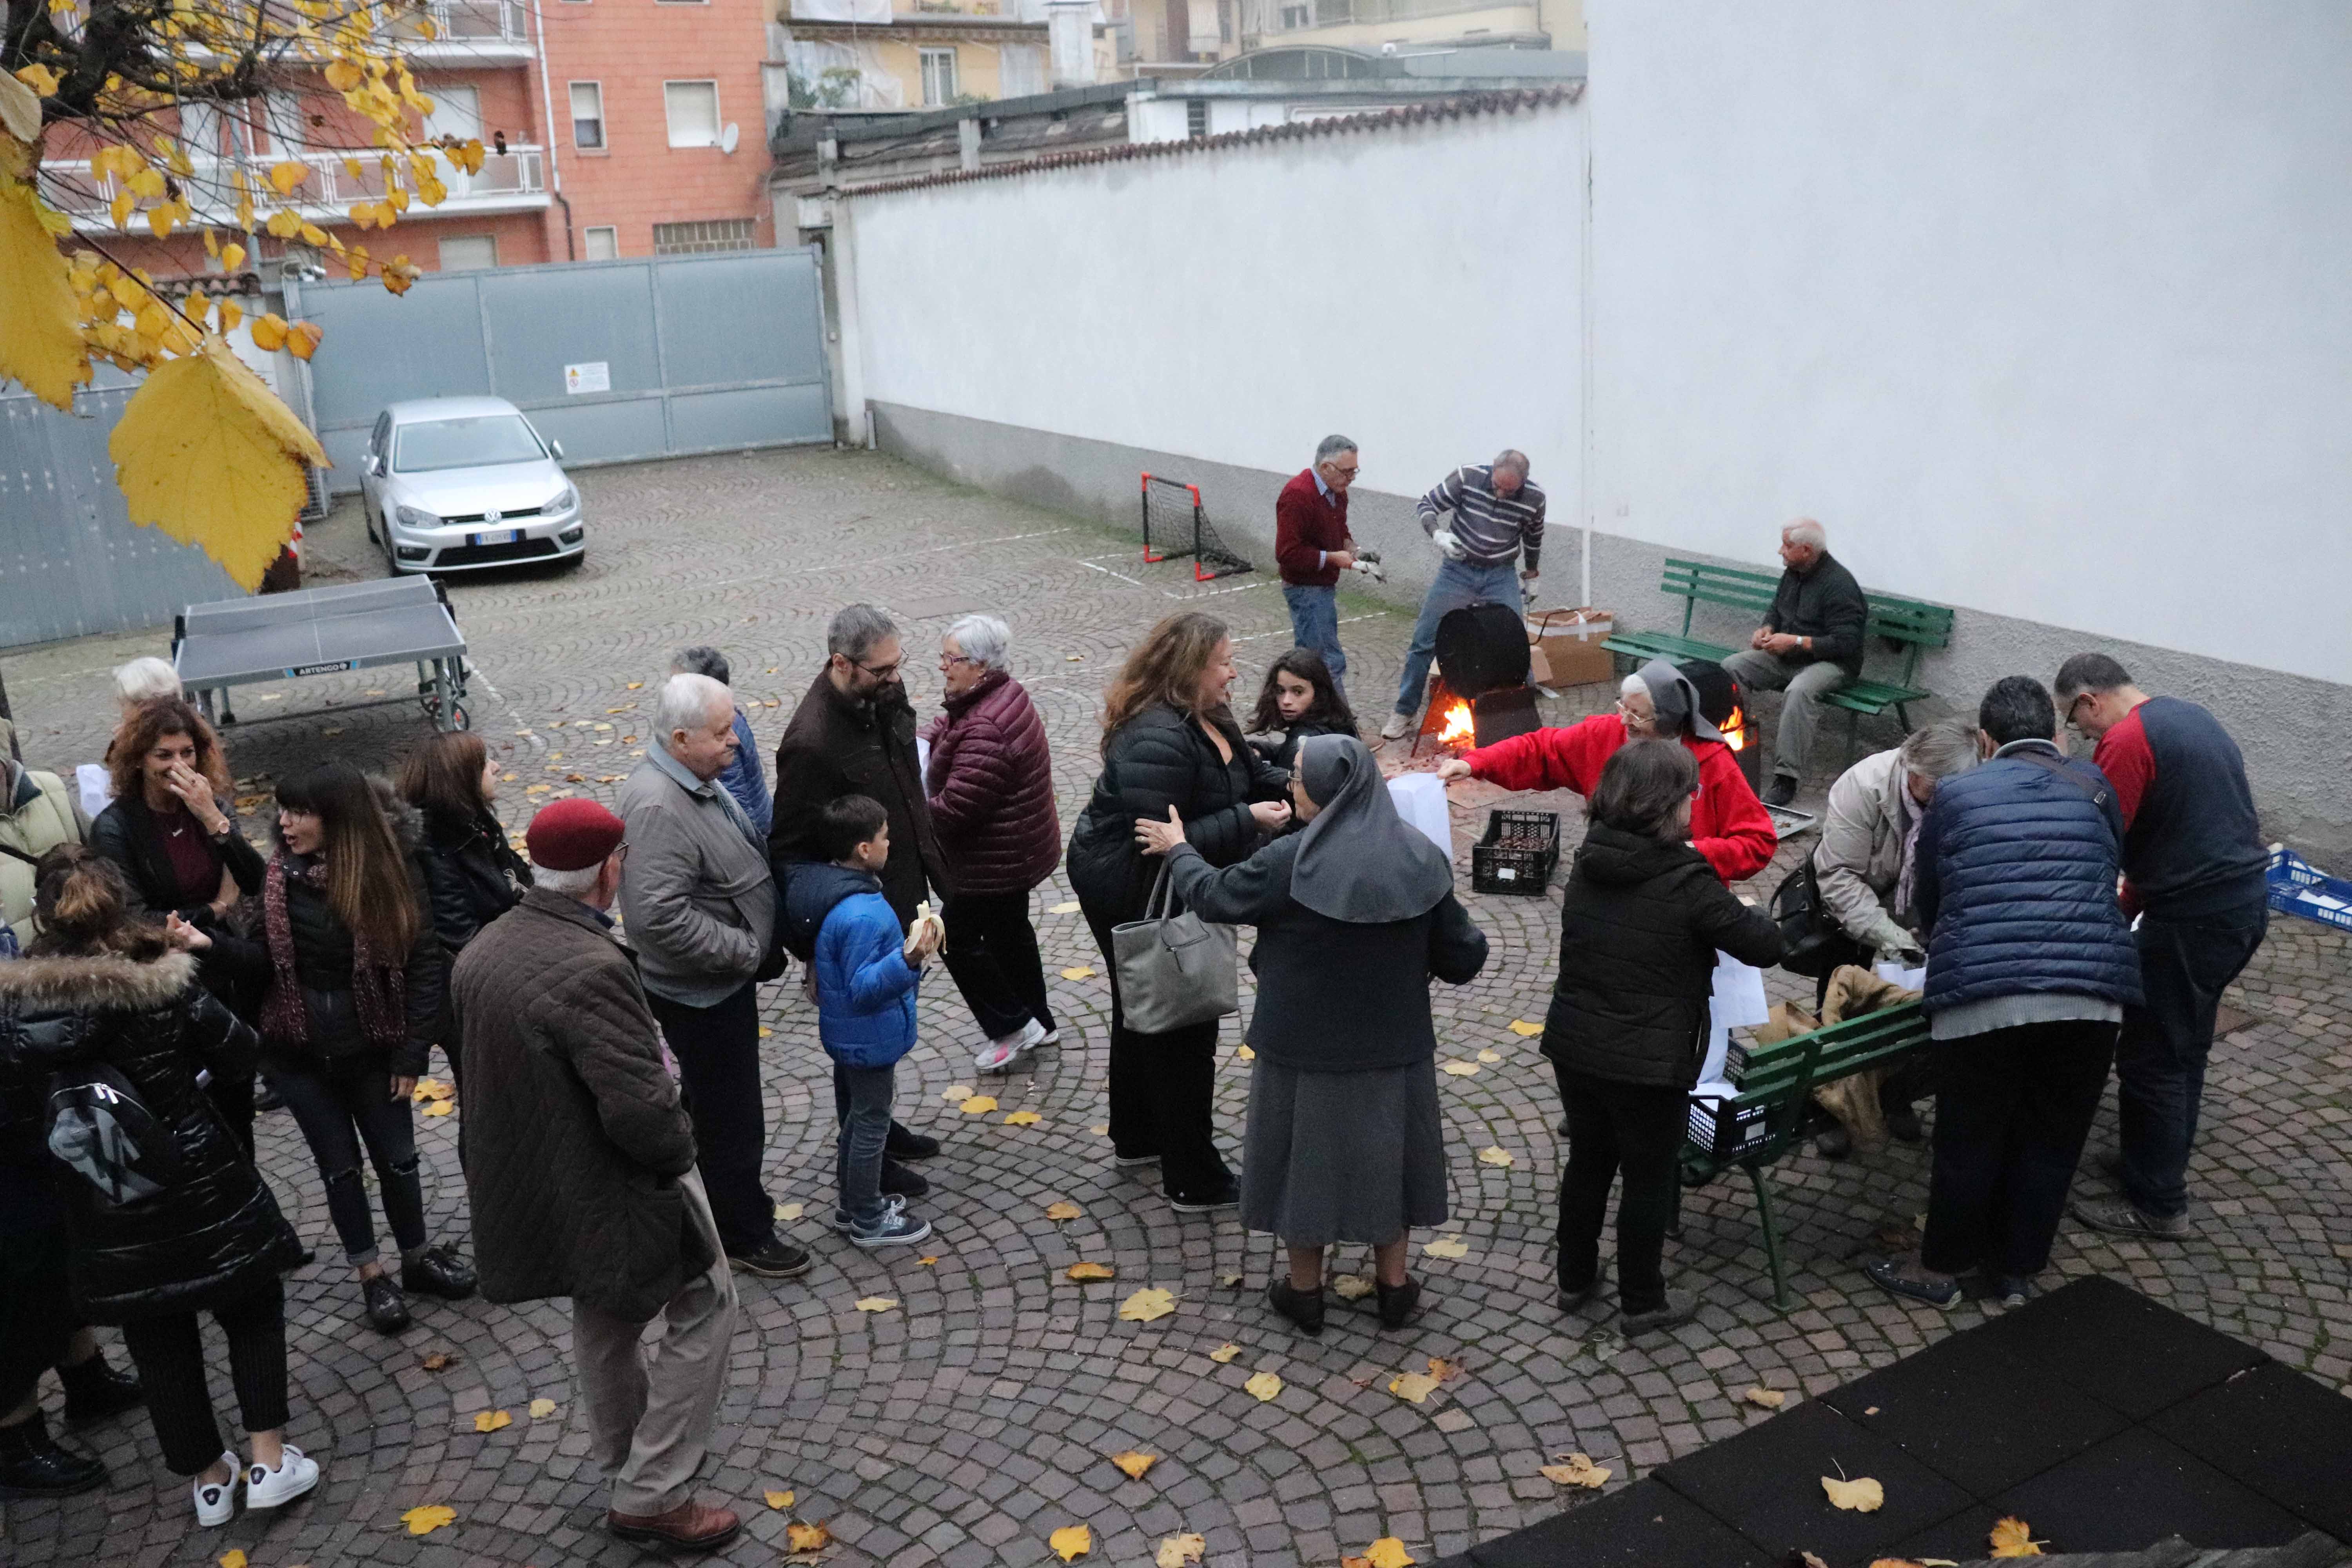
x: 1738, y: 1002
x: 1420, y: 801
x: 1909, y: 979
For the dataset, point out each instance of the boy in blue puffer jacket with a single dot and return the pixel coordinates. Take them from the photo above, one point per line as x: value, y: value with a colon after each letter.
x: 866, y: 981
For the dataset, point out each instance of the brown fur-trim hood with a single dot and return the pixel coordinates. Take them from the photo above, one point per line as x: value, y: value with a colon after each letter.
x: 104, y: 981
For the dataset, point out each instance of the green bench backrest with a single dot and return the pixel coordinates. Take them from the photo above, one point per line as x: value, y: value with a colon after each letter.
x: 1910, y: 621
x: 1775, y: 1072
x: 1699, y: 582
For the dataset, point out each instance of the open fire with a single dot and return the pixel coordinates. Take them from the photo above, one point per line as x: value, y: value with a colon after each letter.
x: 1735, y: 730
x: 1459, y: 730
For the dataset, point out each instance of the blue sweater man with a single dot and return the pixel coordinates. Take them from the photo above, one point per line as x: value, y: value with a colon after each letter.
x: 866, y: 975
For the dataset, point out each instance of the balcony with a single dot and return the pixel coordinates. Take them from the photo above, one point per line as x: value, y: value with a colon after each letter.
x: 467, y: 30
x: 512, y: 181
x: 1298, y: 15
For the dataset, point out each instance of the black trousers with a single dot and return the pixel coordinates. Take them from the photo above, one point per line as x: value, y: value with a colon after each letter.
x: 1162, y: 1090
x: 718, y: 1052
x: 169, y: 1352
x: 2012, y: 1109
x: 1634, y: 1128
x: 337, y: 1106
x: 2160, y: 1055
x: 993, y: 952
x: 37, y: 1317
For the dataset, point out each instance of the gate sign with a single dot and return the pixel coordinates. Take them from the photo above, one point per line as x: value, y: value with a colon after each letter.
x: 596, y: 376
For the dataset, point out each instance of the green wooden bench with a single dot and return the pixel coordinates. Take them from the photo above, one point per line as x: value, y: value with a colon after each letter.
x: 1697, y: 583
x: 1776, y: 1089
x: 1914, y: 626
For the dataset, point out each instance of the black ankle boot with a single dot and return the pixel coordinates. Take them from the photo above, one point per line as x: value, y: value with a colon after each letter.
x: 1397, y: 1301
x: 32, y: 1465
x: 95, y: 1391
x: 1304, y: 1307
x: 437, y: 1271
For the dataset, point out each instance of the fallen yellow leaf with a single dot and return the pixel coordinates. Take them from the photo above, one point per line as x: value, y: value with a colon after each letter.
x: 43, y: 344
x: 1578, y: 1471
x: 1225, y: 1353
x: 440, y: 1108
x: 1491, y: 1156
x: 1859, y: 1495
x: 1068, y: 907
x: 1526, y: 1030
x: 1062, y: 1210
x: 2012, y: 1537
x: 1179, y: 1550
x: 978, y: 1105
x: 779, y: 1499
x: 428, y: 1088
x: 1387, y: 1551
x: 1351, y: 1286
x: 799, y: 1537
x: 435, y: 1361
x: 1071, y: 1541
x: 1100, y: 1130
x: 635, y: 686
x: 791, y: 1211
x: 1490, y: 1057
x: 1265, y: 1384
x: 1889, y: 1562
x: 1245, y: 1054
x: 1084, y: 1271
x: 1078, y: 972
x: 877, y: 1303
x: 426, y: 1519
x: 1459, y: 1069
x: 232, y: 1558
x: 957, y: 1092
x: 1134, y: 1462
x: 491, y: 1420
x: 1770, y: 1398
x: 1023, y: 1119
x: 927, y: 1262
x: 1445, y: 1247
x: 541, y: 1407
x: 1147, y: 1304
x: 1415, y: 1386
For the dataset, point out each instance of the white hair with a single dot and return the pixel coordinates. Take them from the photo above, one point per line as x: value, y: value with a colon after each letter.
x: 686, y: 702
x: 1939, y: 750
x: 574, y: 884
x: 144, y: 677
x: 1805, y: 531
x: 1331, y: 447
x: 983, y: 638
x: 1631, y: 684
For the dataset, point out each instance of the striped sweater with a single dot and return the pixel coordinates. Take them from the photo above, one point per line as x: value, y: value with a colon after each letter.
x: 1492, y: 527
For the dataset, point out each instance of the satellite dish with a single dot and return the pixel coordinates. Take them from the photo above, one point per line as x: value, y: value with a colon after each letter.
x: 729, y: 137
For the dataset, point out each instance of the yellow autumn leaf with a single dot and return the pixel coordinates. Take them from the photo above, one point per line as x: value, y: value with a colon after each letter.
x: 283, y: 225
x: 1147, y: 1304
x: 1770, y: 1398
x: 1134, y: 1462
x: 1265, y: 1384
x: 542, y: 1409
x: 175, y: 158
x: 119, y: 208
x: 978, y: 1105
x: 1524, y: 1029
x: 791, y: 1211
x: 1351, y: 1286
x: 1068, y: 907
x: 1445, y: 1247
x: 1862, y: 1495
x: 799, y: 1537
x: 147, y: 185
x: 1490, y: 1057
x: 491, y: 1420
x: 304, y: 337
x: 231, y: 313
x: 426, y: 1519
x: 1459, y: 1069
x: 1414, y: 1386
x: 1083, y: 1272
x: 779, y: 1499
x: 1062, y: 1210
x: 877, y: 1303
x: 1578, y: 1471
x: 208, y: 454
x: 430, y: 1088
x: 1246, y: 1054
x: 285, y: 176
x: 1387, y: 1551
x: 270, y: 332
x: 1071, y: 1541
x: 43, y: 81
x: 1179, y: 1550
x: 342, y: 76
x: 2012, y: 1537
x: 42, y: 344
x: 232, y: 256
x: 232, y: 1558
x: 20, y: 109
x: 1225, y: 1353
x: 1491, y: 1156
x: 1023, y: 1119
x: 313, y: 233
x: 1078, y: 972
x: 439, y: 1108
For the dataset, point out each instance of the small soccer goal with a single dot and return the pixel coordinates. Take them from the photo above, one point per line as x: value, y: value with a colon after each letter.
x: 1176, y: 525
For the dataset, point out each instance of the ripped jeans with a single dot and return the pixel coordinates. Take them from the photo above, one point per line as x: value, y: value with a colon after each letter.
x: 337, y: 1106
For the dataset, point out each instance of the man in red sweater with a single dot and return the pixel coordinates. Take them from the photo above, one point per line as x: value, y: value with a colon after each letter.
x: 1729, y: 826
x: 1312, y: 547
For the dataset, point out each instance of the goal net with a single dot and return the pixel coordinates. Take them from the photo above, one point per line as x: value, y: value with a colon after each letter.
x: 1176, y: 525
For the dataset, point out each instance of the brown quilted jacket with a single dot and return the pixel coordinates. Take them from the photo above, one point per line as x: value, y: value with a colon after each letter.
x: 573, y: 1135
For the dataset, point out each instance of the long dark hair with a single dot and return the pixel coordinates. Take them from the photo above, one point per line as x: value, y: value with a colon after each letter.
x: 85, y: 906
x: 367, y: 874
x: 443, y: 777
x: 1329, y: 706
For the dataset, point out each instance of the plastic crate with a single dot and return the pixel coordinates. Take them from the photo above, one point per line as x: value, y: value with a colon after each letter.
x: 2299, y: 888
x: 1724, y: 1129
x: 1519, y: 853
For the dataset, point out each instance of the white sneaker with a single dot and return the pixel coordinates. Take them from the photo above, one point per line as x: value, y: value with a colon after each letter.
x: 216, y: 1501
x: 296, y: 1474
x: 997, y: 1055
x: 1395, y: 728
x: 1050, y: 1037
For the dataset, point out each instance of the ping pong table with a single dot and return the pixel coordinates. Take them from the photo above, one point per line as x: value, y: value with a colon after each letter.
x: 326, y: 631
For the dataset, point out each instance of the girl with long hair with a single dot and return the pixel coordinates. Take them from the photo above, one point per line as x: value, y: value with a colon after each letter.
x: 1169, y: 741
x: 472, y: 874
x: 1298, y: 700
x: 354, y: 1002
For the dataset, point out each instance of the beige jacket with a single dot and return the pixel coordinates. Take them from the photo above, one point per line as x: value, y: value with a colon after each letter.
x: 1861, y: 852
x: 38, y: 813
x: 696, y: 895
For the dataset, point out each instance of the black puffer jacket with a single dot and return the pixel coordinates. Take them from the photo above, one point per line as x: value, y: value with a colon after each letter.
x: 1639, y: 927
x: 214, y: 1232
x: 472, y: 874
x: 323, y: 955
x: 236, y: 968
x: 1158, y: 759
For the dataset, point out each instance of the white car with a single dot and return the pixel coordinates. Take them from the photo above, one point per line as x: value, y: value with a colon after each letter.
x: 449, y: 484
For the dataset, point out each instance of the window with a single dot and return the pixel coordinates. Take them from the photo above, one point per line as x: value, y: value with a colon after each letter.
x: 281, y: 115
x: 469, y: 252
x: 938, y: 75
x: 478, y: 441
x: 692, y: 238
x: 456, y: 111
x: 693, y: 111
x: 588, y: 116
x: 604, y: 243
x: 1196, y: 117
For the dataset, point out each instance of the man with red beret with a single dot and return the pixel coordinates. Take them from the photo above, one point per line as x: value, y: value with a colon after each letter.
x: 579, y: 1158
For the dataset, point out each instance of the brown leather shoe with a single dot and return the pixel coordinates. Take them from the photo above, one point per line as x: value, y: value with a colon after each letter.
x: 692, y: 1525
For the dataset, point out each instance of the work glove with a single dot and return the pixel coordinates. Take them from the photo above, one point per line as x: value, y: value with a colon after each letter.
x: 1529, y: 588
x: 1447, y: 545
x: 1368, y: 562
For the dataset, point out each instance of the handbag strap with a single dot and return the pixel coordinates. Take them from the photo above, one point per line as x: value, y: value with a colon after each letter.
x: 1162, y: 903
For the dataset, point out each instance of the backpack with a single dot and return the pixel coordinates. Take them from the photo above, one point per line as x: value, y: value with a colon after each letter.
x: 100, y: 1129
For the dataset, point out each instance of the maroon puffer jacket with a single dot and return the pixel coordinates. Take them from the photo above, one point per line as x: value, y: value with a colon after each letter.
x: 990, y: 783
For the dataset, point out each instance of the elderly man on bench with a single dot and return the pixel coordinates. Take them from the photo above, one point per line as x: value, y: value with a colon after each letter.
x: 1808, y: 646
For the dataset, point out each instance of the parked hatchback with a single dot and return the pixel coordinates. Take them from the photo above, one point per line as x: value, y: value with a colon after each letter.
x: 452, y: 483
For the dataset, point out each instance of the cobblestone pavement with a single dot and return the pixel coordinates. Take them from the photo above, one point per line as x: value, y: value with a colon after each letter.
x: 974, y: 1418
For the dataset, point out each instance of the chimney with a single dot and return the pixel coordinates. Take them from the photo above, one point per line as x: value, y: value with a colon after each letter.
x: 1070, y: 28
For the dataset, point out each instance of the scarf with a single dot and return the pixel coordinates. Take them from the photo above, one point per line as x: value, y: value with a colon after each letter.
x: 1913, y: 813
x: 1358, y: 861
x: 378, y: 988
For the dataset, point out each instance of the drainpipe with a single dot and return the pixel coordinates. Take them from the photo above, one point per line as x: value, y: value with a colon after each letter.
x: 547, y: 100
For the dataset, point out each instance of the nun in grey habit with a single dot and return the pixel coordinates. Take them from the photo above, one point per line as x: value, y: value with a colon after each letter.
x: 1354, y: 913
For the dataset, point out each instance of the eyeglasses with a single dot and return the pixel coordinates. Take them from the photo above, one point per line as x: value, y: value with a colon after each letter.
x: 2075, y: 708
x: 884, y: 672
x: 949, y: 659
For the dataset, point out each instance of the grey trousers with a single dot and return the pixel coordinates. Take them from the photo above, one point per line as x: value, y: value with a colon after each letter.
x: 648, y: 1427
x: 1800, y: 715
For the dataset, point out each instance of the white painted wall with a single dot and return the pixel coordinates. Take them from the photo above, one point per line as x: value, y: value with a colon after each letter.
x: 1239, y: 305
x: 2040, y: 307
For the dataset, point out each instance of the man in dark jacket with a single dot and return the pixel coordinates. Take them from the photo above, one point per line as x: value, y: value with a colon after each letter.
x: 854, y: 733
x: 1808, y: 646
x: 2193, y: 871
x: 579, y: 1158
x: 2029, y: 967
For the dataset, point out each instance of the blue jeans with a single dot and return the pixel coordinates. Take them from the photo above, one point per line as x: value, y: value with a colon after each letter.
x: 861, y: 1097
x: 2160, y: 1055
x: 1315, y: 623
x: 1457, y: 583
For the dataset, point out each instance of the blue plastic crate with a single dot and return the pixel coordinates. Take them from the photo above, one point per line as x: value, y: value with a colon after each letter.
x: 2299, y: 888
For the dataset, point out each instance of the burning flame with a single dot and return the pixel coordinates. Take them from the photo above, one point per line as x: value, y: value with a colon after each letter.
x: 1459, y: 730
x: 1735, y: 730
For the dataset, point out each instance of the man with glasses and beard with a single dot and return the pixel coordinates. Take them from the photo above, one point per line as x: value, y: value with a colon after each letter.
x: 854, y: 733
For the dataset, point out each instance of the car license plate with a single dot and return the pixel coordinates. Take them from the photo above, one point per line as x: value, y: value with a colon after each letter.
x: 495, y: 536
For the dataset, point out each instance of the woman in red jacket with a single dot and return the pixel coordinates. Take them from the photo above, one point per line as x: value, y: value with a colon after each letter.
x: 1729, y: 825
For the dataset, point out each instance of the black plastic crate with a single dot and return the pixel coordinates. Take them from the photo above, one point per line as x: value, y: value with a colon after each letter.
x: 1519, y: 854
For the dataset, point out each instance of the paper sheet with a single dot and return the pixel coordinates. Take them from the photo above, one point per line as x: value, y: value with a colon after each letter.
x: 1420, y: 801
x: 1909, y: 979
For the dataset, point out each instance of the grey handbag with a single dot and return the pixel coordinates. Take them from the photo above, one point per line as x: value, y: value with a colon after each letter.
x: 1175, y: 969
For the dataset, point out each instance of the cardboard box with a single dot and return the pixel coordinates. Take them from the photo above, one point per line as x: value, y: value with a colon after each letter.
x: 1566, y: 647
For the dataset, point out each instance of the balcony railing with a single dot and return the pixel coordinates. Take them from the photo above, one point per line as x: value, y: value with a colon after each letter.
x: 463, y: 22
x: 1292, y: 15
x: 512, y: 180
